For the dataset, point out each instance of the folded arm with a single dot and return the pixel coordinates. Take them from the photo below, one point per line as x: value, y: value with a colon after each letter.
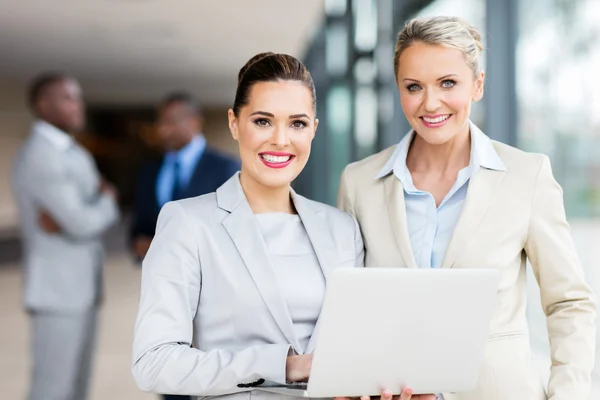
x: 60, y: 198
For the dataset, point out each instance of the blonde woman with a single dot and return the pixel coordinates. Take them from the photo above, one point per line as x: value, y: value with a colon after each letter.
x: 449, y: 197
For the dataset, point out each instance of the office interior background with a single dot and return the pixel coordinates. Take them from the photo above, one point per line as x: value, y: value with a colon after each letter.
x: 542, y: 94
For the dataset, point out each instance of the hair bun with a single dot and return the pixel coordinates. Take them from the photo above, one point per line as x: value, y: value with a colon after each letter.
x: 270, y: 67
x: 474, y: 32
x: 252, y: 61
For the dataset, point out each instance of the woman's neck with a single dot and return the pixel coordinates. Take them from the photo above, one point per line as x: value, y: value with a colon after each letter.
x: 264, y: 199
x: 446, y: 158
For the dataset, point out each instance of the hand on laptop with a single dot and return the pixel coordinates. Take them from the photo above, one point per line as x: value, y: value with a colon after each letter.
x: 297, y: 368
x: 387, y: 395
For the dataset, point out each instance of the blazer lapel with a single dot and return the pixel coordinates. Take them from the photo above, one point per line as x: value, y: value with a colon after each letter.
x: 312, y: 342
x: 479, y: 197
x: 322, y: 243
x: 245, y: 234
x: 394, y: 195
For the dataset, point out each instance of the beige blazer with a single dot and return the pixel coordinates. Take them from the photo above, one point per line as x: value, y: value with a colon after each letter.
x: 212, y: 314
x: 508, y: 217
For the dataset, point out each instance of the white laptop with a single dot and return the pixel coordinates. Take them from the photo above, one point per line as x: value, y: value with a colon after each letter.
x: 391, y: 328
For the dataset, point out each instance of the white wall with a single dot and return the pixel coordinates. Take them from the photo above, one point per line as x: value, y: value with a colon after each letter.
x: 14, y: 123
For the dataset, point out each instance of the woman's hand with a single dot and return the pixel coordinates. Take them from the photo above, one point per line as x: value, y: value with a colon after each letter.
x: 387, y: 395
x: 47, y: 223
x: 297, y: 368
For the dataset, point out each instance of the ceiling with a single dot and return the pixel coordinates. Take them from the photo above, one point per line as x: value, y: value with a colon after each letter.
x: 133, y: 51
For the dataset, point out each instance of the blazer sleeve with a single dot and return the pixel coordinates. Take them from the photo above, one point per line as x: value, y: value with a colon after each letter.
x: 568, y: 301
x: 345, y: 201
x: 163, y: 359
x: 79, y: 217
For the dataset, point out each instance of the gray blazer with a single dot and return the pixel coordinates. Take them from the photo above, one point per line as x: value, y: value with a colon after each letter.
x: 208, y: 276
x: 62, y: 270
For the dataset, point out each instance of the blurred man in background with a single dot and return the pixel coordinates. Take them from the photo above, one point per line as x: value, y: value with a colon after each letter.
x: 189, y: 168
x: 65, y: 207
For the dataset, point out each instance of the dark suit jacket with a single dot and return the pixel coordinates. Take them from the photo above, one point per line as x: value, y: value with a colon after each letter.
x: 213, y: 169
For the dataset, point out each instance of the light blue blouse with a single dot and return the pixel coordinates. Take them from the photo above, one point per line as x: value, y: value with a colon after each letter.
x: 430, y: 228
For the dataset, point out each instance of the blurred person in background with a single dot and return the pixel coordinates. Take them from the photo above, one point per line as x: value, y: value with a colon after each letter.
x: 233, y: 284
x: 189, y: 167
x: 456, y: 199
x: 65, y: 207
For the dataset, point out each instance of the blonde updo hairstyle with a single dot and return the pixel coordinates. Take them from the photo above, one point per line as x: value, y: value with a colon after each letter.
x: 450, y: 32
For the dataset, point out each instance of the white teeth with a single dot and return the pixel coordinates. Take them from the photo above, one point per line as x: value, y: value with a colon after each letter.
x: 275, y: 159
x: 436, y: 120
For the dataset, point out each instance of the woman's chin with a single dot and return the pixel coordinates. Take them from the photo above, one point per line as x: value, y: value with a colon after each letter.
x: 276, y: 179
x: 436, y: 137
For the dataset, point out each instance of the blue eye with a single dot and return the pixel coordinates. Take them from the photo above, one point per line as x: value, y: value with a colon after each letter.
x: 413, y: 87
x: 448, y: 83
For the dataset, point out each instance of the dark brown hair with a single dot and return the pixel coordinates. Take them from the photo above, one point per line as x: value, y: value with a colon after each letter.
x: 182, y: 97
x: 41, y: 83
x: 270, y: 67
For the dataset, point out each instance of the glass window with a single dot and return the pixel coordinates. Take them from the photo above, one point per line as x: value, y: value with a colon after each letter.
x: 386, y: 104
x: 558, y: 56
x: 339, y: 126
x: 365, y: 121
x: 472, y: 11
x: 335, y: 8
x: 365, y: 24
x: 365, y: 71
x: 336, y: 49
